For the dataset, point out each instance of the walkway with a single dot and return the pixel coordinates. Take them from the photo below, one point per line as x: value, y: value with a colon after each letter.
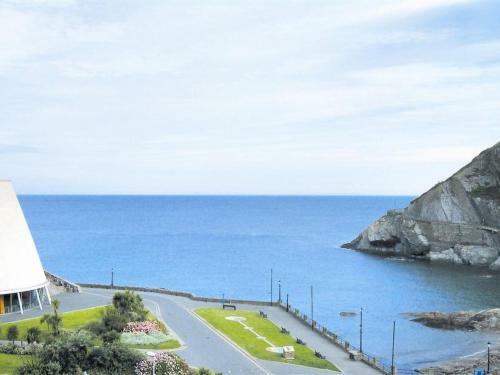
x: 203, y: 346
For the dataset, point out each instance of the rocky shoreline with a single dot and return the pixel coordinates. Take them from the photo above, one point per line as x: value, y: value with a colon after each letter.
x: 466, y: 365
x: 485, y: 320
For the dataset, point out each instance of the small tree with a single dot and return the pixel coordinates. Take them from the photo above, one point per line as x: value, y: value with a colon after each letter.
x: 45, y: 319
x: 12, y: 333
x: 33, y: 335
x: 129, y: 305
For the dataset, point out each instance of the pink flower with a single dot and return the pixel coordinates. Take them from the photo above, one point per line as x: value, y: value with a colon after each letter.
x: 142, y: 327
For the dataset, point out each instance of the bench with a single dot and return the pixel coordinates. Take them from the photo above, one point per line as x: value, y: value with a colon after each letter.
x: 285, y: 331
x: 300, y: 342
x: 319, y: 355
x: 228, y: 306
x: 354, y: 355
x: 263, y: 315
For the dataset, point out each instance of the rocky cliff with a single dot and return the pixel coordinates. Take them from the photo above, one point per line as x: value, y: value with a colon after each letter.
x: 456, y: 221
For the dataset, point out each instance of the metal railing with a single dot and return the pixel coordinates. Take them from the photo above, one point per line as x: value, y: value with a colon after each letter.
x: 368, y: 358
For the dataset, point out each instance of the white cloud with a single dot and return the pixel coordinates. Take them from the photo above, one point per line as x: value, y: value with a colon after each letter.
x: 268, y: 92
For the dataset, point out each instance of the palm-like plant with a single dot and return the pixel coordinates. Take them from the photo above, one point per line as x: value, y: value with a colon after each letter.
x: 45, y: 319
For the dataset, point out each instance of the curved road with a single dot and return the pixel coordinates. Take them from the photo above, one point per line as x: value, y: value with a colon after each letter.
x: 202, y: 346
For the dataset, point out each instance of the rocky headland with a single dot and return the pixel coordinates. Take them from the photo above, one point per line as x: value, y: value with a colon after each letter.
x: 457, y: 221
x: 485, y: 320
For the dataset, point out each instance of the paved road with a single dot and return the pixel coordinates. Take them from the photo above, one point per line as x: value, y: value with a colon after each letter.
x: 205, y: 347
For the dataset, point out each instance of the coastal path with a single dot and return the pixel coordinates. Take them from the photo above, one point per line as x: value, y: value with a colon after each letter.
x: 203, y: 346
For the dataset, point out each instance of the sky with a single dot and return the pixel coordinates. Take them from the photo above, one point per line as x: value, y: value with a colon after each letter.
x: 245, y: 97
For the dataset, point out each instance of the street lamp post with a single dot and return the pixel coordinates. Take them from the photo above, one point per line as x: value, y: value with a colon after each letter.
x: 393, y: 340
x: 488, y: 368
x: 152, y: 355
x: 312, y: 308
x: 112, y: 278
x: 271, y: 286
x: 279, y: 291
x: 361, y: 331
x: 287, y: 305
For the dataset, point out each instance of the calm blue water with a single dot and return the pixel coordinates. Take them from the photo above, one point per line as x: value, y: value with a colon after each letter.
x: 216, y: 245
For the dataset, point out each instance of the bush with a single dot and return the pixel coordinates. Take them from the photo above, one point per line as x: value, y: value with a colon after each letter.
x: 12, y: 333
x: 130, y: 305
x: 36, y: 367
x: 33, y: 335
x: 11, y: 348
x: 73, y: 353
x: 113, y: 359
x: 70, y: 351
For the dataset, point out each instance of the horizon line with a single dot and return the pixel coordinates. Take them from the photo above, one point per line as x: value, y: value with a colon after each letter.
x: 211, y: 195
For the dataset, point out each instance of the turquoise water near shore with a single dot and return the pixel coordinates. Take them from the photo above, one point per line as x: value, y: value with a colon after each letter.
x: 214, y: 245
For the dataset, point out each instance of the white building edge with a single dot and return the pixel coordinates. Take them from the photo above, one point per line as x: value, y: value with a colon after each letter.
x: 23, y: 284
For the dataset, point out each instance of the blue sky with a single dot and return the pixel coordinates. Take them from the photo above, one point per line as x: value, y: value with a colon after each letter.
x: 245, y: 97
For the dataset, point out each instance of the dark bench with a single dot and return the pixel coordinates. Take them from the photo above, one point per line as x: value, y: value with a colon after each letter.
x: 285, y: 331
x: 300, y: 342
x: 228, y: 306
x: 319, y: 355
x: 263, y: 314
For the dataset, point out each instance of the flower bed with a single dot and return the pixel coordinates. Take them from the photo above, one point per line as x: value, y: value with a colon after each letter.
x: 142, y: 327
x: 165, y: 364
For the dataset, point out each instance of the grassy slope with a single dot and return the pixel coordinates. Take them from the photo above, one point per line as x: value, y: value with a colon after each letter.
x: 71, y: 320
x: 9, y: 363
x: 248, y: 341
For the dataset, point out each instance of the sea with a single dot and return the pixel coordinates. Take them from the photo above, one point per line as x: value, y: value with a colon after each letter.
x: 227, y: 245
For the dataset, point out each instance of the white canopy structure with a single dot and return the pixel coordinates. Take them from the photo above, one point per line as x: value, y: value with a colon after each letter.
x: 22, y: 280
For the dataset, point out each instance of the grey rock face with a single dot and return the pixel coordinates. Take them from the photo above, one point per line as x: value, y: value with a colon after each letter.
x: 457, y: 221
x: 495, y: 266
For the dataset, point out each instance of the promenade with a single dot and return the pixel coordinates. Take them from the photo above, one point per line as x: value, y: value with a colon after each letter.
x: 202, y: 346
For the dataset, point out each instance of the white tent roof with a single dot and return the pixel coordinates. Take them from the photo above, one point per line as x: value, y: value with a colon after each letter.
x: 20, y: 266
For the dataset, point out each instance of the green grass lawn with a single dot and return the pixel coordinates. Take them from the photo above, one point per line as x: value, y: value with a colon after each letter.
x: 70, y: 320
x: 169, y: 344
x: 9, y: 363
x: 248, y: 341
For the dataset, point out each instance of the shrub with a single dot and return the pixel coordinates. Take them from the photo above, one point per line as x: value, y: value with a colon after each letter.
x: 69, y: 350
x: 11, y: 348
x: 12, y: 333
x: 33, y: 335
x: 36, y: 367
x: 130, y: 305
x: 113, y: 359
x: 74, y: 353
x: 110, y: 337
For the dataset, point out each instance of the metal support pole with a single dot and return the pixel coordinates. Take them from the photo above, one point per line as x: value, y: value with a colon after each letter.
x: 393, y: 340
x: 312, y: 308
x: 488, y: 368
x: 287, y: 305
x: 48, y: 295
x: 38, y: 299
x: 361, y: 331
x: 271, y: 286
x: 112, y: 278
x: 20, y: 303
